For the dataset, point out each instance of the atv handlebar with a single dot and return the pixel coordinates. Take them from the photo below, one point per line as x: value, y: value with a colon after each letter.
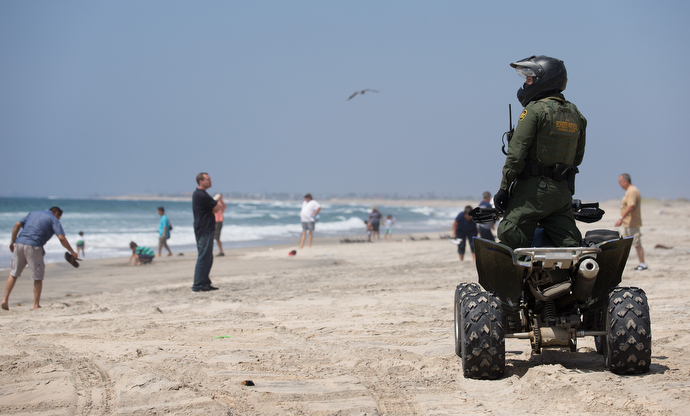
x: 585, y: 212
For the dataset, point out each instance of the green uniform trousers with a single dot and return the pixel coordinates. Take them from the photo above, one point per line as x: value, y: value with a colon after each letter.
x: 544, y: 201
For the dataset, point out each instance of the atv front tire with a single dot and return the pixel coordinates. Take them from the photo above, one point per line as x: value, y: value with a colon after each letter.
x: 483, y: 336
x: 628, y: 345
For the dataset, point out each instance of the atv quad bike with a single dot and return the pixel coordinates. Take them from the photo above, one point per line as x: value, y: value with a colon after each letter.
x: 552, y: 296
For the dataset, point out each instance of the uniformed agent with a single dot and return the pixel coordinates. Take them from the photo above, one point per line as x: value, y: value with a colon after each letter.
x: 542, y: 158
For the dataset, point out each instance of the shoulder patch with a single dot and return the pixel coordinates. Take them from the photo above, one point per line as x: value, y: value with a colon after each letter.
x: 523, y: 114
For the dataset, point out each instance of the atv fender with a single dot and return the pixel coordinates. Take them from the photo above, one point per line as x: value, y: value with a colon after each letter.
x: 499, y: 271
x: 612, y: 259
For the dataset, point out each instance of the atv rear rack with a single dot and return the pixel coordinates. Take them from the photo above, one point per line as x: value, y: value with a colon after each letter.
x: 558, y: 257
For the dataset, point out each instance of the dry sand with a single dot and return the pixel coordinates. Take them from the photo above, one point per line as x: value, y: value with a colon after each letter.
x: 346, y: 329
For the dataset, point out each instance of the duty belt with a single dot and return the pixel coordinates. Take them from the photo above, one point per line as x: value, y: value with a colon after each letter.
x: 536, y: 170
x: 559, y: 172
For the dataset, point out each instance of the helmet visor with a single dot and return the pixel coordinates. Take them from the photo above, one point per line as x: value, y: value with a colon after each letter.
x: 525, y: 72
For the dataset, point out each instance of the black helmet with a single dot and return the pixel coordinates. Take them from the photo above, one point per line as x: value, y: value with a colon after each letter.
x: 549, y: 76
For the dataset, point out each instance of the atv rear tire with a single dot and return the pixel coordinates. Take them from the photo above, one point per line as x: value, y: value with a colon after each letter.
x: 461, y: 291
x: 483, y: 336
x: 628, y: 346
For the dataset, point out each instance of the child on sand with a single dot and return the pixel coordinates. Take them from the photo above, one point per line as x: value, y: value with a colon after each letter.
x: 140, y: 255
x: 388, y: 224
x: 80, y: 244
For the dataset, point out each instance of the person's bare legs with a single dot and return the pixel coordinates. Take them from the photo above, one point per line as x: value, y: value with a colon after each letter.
x: 165, y: 244
x: 462, y: 256
x: 220, y: 246
x: 161, y: 246
x: 311, y: 237
x: 8, y: 289
x: 301, y: 241
x: 640, y: 254
x: 38, y: 288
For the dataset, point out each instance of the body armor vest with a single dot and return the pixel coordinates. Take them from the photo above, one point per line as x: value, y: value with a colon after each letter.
x: 556, y: 141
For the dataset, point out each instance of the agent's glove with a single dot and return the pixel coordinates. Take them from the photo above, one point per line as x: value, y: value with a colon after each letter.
x: 501, y: 199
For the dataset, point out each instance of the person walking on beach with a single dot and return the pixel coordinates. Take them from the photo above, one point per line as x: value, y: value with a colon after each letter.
x: 163, y: 232
x: 310, y: 209
x: 204, y: 208
x: 464, y: 229
x: 548, y: 144
x: 485, y: 230
x: 631, y: 216
x: 219, y: 222
x: 375, y: 222
x: 27, y: 249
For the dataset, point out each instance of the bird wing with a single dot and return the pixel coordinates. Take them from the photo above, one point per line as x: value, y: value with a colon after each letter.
x: 353, y: 95
x: 369, y: 90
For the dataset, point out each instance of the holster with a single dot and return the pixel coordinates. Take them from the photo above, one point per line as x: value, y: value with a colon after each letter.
x: 560, y: 172
x: 571, y: 179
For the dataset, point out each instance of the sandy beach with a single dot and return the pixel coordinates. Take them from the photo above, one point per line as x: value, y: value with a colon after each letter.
x: 338, y: 329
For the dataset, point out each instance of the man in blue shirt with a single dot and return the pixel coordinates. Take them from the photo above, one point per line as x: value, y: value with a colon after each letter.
x: 27, y: 248
x: 465, y: 228
x: 163, y: 232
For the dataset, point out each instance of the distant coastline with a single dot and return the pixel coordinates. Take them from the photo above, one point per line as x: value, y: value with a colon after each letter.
x: 348, y: 199
x: 142, y: 197
x: 364, y: 200
x: 356, y: 201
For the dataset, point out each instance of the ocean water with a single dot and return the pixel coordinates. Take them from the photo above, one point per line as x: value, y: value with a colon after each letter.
x: 109, y: 225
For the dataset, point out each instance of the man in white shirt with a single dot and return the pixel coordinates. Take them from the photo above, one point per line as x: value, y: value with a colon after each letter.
x: 310, y: 209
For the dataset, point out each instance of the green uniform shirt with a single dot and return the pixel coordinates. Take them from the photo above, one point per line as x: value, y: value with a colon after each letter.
x: 541, y: 141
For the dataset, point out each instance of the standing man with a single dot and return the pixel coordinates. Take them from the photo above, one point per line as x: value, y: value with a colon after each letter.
x: 219, y: 222
x: 485, y: 230
x: 544, y: 152
x: 631, y: 216
x: 204, y: 208
x: 163, y: 232
x: 27, y: 249
x: 310, y: 209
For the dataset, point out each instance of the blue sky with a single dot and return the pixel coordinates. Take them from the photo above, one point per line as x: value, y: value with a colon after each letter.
x: 124, y: 97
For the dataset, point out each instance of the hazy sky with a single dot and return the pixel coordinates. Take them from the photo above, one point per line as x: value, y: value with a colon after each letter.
x: 122, y: 97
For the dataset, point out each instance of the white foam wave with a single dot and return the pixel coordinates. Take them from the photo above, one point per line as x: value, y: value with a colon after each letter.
x: 108, y: 231
x: 428, y: 211
x: 184, y: 235
x: 352, y: 223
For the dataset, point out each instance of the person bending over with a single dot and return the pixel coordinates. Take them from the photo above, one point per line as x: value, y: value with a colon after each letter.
x: 140, y: 254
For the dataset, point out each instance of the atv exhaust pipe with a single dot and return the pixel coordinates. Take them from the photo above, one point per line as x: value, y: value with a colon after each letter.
x: 584, y: 282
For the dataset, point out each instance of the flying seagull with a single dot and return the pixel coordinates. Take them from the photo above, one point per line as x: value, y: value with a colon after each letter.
x: 360, y: 92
